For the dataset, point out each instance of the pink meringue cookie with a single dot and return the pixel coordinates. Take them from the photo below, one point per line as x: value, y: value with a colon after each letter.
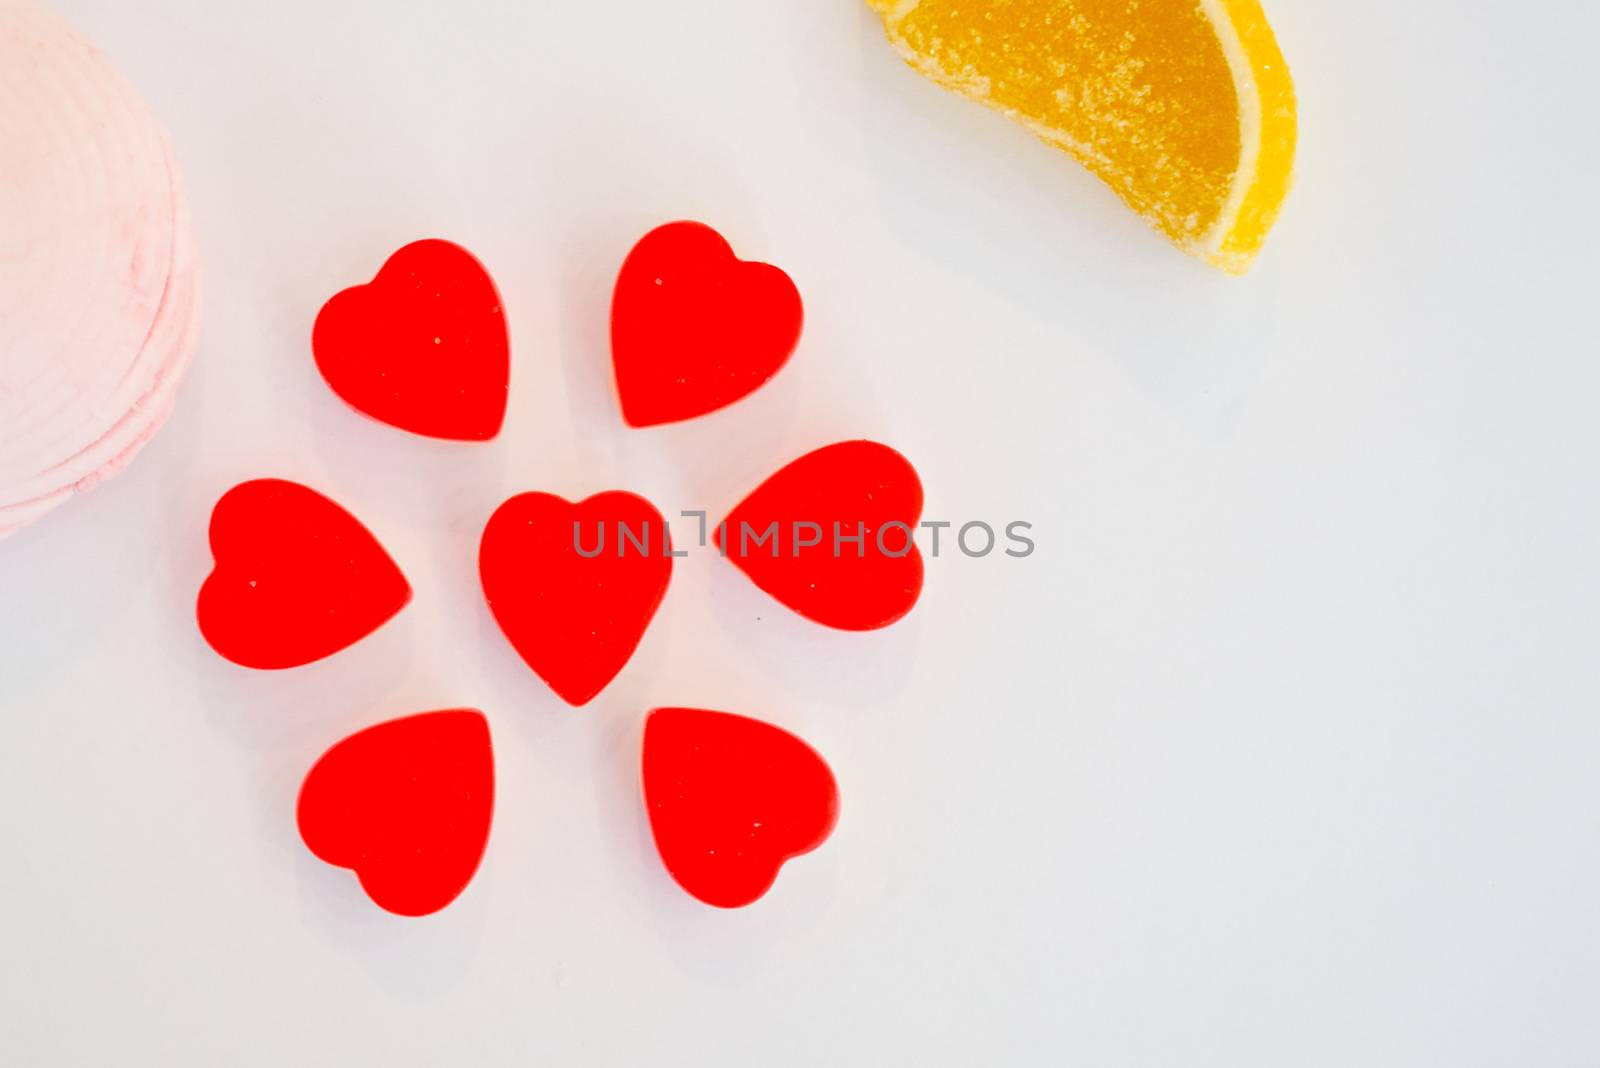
x: 99, y: 280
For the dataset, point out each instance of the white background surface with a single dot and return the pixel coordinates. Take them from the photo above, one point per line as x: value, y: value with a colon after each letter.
x: 1282, y: 749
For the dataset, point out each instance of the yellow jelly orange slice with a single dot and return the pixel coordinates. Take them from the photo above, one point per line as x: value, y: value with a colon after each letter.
x: 1184, y: 107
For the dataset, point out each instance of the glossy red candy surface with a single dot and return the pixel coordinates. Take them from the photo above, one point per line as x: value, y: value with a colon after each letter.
x: 864, y: 493
x: 406, y: 805
x: 423, y: 346
x: 730, y: 799
x: 693, y: 327
x: 296, y: 578
x: 575, y: 619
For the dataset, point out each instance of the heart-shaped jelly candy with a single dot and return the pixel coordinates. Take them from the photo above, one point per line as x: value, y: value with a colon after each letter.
x: 730, y: 800
x: 406, y: 805
x: 297, y: 578
x: 423, y: 346
x: 695, y: 328
x: 574, y: 586
x: 831, y: 535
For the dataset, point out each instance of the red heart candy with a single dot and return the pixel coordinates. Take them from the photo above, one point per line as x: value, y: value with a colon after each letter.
x: 730, y: 799
x: 297, y: 578
x: 854, y: 489
x: 694, y: 328
x: 423, y: 346
x: 575, y: 616
x: 406, y: 806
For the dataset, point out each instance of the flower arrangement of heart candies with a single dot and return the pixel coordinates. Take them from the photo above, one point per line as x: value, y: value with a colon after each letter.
x: 407, y: 804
